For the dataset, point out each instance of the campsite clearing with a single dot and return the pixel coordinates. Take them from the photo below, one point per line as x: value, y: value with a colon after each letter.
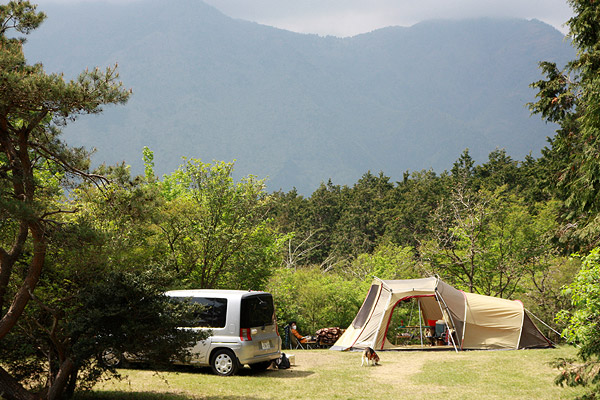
x: 323, y: 374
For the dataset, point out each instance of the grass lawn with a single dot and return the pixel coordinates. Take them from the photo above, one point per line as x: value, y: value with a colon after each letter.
x: 324, y: 374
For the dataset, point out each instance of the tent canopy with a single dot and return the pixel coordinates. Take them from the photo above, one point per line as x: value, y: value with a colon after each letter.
x: 472, y: 320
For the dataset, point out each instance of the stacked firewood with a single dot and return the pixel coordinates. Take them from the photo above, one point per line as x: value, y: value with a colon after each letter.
x: 328, y: 336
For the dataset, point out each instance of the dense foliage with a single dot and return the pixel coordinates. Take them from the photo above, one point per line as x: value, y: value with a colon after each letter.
x: 570, y: 97
x: 583, y: 327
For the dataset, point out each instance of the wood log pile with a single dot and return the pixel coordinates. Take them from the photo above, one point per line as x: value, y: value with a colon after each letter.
x: 328, y: 336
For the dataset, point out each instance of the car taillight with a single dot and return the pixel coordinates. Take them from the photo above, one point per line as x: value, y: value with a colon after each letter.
x: 245, y: 334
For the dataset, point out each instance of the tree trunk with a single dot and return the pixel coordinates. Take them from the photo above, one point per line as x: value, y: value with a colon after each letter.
x: 10, y: 389
x: 70, y: 390
x: 8, y: 259
x: 23, y: 296
x: 62, y: 379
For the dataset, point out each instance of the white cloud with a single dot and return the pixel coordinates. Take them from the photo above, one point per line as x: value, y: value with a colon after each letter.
x: 350, y: 17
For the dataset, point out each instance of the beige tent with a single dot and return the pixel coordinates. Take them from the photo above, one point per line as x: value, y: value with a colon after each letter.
x: 470, y: 321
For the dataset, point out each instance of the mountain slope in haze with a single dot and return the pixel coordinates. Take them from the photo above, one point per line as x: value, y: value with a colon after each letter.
x: 300, y: 109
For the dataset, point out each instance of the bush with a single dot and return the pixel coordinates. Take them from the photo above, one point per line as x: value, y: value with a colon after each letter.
x: 583, y: 325
x: 315, y: 299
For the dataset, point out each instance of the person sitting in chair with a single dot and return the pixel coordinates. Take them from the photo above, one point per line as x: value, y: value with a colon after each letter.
x: 301, y: 339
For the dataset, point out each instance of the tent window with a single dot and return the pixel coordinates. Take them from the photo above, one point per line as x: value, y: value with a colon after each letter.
x: 365, y: 310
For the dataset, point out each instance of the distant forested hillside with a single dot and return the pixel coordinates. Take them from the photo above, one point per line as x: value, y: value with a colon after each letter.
x: 300, y: 109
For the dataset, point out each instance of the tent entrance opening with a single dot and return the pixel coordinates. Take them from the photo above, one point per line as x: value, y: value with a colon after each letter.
x: 418, y: 320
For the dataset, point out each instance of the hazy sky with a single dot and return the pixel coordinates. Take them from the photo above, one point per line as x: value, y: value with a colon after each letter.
x: 351, y: 17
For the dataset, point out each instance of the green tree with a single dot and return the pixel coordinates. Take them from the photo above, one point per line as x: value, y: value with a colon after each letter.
x: 487, y: 242
x: 388, y: 261
x: 83, y: 307
x: 499, y: 170
x: 463, y: 168
x: 543, y: 290
x: 583, y: 327
x: 290, y: 215
x: 325, y: 210
x: 125, y: 211
x: 33, y: 105
x: 571, y: 98
x: 197, y: 225
x: 366, y: 210
x: 217, y: 229
x: 414, y: 201
x: 314, y: 298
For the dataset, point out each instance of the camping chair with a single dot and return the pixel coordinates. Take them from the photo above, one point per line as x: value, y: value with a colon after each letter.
x: 441, y: 331
x: 287, y: 337
x: 290, y: 341
x: 297, y: 344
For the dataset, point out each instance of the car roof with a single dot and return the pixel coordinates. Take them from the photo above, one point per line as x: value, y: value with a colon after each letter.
x: 211, y: 293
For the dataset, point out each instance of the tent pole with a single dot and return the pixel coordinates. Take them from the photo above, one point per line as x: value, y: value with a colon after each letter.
x: 449, y: 317
x: 420, y: 326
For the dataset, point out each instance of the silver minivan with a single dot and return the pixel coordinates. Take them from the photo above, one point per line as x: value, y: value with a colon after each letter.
x: 244, y: 330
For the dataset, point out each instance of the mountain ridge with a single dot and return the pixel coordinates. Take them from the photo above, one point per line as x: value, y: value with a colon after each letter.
x: 301, y: 108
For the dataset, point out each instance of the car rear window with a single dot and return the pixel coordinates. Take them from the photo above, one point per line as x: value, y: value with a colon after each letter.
x: 257, y: 310
x: 212, y: 315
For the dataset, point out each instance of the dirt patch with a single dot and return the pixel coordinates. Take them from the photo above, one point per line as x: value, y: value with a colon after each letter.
x: 394, y: 373
x: 397, y: 368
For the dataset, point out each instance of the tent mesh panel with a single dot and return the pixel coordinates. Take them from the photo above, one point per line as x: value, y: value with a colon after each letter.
x: 365, y: 310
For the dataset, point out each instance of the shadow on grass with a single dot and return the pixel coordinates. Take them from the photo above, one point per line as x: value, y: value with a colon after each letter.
x: 274, y: 373
x: 246, y: 371
x: 149, y: 396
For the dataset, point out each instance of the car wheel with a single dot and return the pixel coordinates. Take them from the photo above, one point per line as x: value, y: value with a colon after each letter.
x: 111, y: 358
x: 224, y: 362
x: 261, y: 366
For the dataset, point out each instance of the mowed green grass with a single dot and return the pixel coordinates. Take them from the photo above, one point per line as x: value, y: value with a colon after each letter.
x: 324, y: 374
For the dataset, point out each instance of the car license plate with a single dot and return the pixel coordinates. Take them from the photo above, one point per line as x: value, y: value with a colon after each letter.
x: 265, y: 344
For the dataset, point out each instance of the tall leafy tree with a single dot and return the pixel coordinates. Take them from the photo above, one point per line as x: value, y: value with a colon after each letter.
x: 414, y: 201
x: 366, y: 210
x: 571, y: 97
x: 487, y: 242
x: 316, y: 299
x: 125, y: 211
x: 387, y: 261
x: 217, y: 229
x: 33, y: 106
